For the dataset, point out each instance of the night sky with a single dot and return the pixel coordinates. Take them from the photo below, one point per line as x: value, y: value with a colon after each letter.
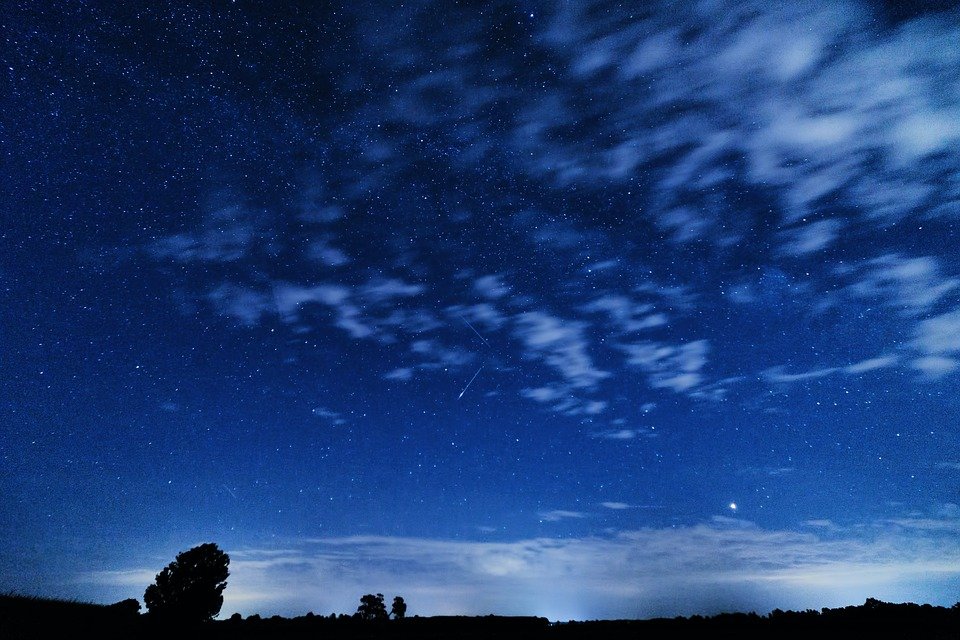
x: 571, y: 309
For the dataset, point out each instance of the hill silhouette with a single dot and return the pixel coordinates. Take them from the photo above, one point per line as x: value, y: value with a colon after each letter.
x: 23, y: 617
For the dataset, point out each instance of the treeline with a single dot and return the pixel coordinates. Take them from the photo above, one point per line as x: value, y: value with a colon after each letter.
x: 22, y: 617
x: 187, y: 596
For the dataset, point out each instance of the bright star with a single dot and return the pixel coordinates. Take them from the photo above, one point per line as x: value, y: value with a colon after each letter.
x: 733, y: 506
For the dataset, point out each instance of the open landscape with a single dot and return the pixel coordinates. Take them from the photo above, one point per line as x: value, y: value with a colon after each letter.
x: 480, y: 319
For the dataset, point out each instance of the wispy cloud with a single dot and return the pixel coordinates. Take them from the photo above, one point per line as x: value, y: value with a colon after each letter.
x: 491, y: 286
x: 560, y: 514
x: 938, y: 339
x: 811, y: 237
x: 226, y: 235
x: 670, y: 367
x: 561, y: 345
x: 564, y: 399
x: 627, y: 575
x: 627, y: 315
x: 779, y: 375
x: 329, y: 415
x: 912, y: 285
x: 624, y: 434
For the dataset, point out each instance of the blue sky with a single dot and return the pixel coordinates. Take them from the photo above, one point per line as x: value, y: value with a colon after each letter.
x: 526, y: 308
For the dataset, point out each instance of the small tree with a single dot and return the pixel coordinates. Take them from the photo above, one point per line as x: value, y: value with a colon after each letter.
x: 372, y: 607
x: 191, y: 587
x: 399, y: 608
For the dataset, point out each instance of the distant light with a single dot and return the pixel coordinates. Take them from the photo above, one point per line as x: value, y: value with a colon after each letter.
x: 733, y: 506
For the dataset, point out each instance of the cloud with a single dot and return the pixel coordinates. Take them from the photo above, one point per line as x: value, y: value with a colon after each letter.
x: 436, y: 356
x: 939, y: 335
x: 719, y: 566
x: 913, y: 285
x: 245, y: 304
x: 321, y: 251
x: 777, y: 374
x: 290, y: 299
x: 669, y: 367
x: 490, y: 286
x: 624, y: 434
x: 811, y: 237
x: 559, y: 514
x: 627, y: 315
x: 564, y: 399
x: 483, y: 316
x: 381, y: 290
x: 331, y: 416
x: 561, y: 345
x: 227, y: 235
x: 617, y: 506
x: 935, y: 367
x: 403, y: 374
x: 938, y: 339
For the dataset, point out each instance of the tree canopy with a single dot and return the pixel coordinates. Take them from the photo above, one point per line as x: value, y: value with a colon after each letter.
x: 191, y: 587
x: 399, y: 608
x: 372, y: 607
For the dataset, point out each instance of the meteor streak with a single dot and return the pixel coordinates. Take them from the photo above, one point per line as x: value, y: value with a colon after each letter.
x: 475, y: 331
x: 469, y: 383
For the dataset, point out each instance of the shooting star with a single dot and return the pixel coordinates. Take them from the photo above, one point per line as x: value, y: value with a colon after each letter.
x: 469, y: 383
x: 231, y: 492
x: 475, y: 331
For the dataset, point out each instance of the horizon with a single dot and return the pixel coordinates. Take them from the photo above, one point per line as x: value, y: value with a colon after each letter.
x: 221, y: 616
x: 558, y: 309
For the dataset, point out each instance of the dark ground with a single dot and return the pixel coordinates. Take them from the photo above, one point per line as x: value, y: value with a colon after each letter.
x: 23, y: 617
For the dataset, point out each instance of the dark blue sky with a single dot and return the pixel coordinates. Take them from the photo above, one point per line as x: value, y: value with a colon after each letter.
x: 566, y: 309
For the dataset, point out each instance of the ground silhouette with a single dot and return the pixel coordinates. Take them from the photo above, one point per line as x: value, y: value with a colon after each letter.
x: 23, y: 617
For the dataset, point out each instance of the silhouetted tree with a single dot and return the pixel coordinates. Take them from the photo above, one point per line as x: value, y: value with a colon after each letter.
x: 372, y: 607
x: 399, y: 608
x: 127, y: 608
x: 191, y: 587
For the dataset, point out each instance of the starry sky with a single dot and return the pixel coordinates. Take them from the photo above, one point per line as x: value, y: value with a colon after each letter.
x: 571, y: 309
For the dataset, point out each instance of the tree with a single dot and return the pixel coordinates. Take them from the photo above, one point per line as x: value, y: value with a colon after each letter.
x: 191, y: 587
x: 399, y: 608
x: 372, y: 607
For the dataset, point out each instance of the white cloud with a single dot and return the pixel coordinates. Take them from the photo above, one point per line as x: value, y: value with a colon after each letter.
x: 226, y: 235
x: 778, y: 375
x: 245, y: 304
x: 559, y: 344
x: 403, y: 373
x: 670, y: 367
x: 811, y: 237
x: 333, y: 417
x: 719, y: 566
x: 617, y: 506
x: 560, y: 514
x: 291, y: 298
x: 439, y: 356
x: 939, y: 335
x: 913, y: 285
x: 490, y: 286
x: 322, y: 251
x: 386, y: 289
x: 563, y: 399
x: 627, y: 315
x: 871, y: 364
x: 935, y: 366
x: 483, y: 316
x: 624, y: 434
